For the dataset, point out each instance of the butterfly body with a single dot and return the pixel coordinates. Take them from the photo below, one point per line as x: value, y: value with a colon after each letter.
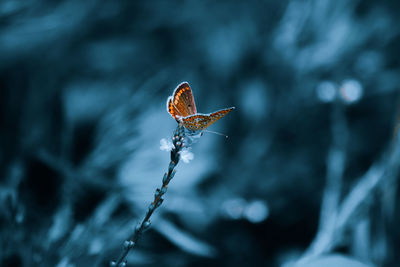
x: 181, y: 106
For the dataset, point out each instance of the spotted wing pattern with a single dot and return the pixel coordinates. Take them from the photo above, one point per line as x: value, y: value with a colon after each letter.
x: 183, y: 101
x: 172, y: 110
x: 199, y: 122
x: 182, y: 108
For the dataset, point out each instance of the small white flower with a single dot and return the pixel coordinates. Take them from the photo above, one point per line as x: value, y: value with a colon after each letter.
x: 166, y: 145
x: 186, y: 155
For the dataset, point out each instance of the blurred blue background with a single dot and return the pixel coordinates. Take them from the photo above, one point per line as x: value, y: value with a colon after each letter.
x: 308, y: 176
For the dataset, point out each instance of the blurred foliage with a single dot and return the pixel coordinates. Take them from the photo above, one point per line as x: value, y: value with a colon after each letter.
x: 309, y: 167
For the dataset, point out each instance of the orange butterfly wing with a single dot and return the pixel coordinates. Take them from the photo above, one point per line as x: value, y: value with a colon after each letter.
x: 181, y: 103
x: 182, y: 108
x: 199, y: 122
x: 172, y: 109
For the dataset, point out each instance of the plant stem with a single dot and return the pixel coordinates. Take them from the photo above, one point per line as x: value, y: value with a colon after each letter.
x: 177, y: 141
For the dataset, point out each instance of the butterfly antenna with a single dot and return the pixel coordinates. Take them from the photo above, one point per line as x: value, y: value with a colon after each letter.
x: 217, y: 133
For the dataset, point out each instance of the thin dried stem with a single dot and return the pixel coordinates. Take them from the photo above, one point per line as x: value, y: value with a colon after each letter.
x: 177, y: 141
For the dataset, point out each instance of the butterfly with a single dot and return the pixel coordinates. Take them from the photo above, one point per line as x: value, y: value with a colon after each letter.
x: 182, y: 108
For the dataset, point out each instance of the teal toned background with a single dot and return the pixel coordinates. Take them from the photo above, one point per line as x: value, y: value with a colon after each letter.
x: 308, y: 175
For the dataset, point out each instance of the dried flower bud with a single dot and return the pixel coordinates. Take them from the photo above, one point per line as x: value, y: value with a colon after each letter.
x: 171, y: 166
x: 158, y: 191
x: 128, y: 244
x: 151, y: 207
x: 172, y: 175
x: 163, y: 190
x: 164, y: 180
x: 160, y: 201
x: 146, y: 225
